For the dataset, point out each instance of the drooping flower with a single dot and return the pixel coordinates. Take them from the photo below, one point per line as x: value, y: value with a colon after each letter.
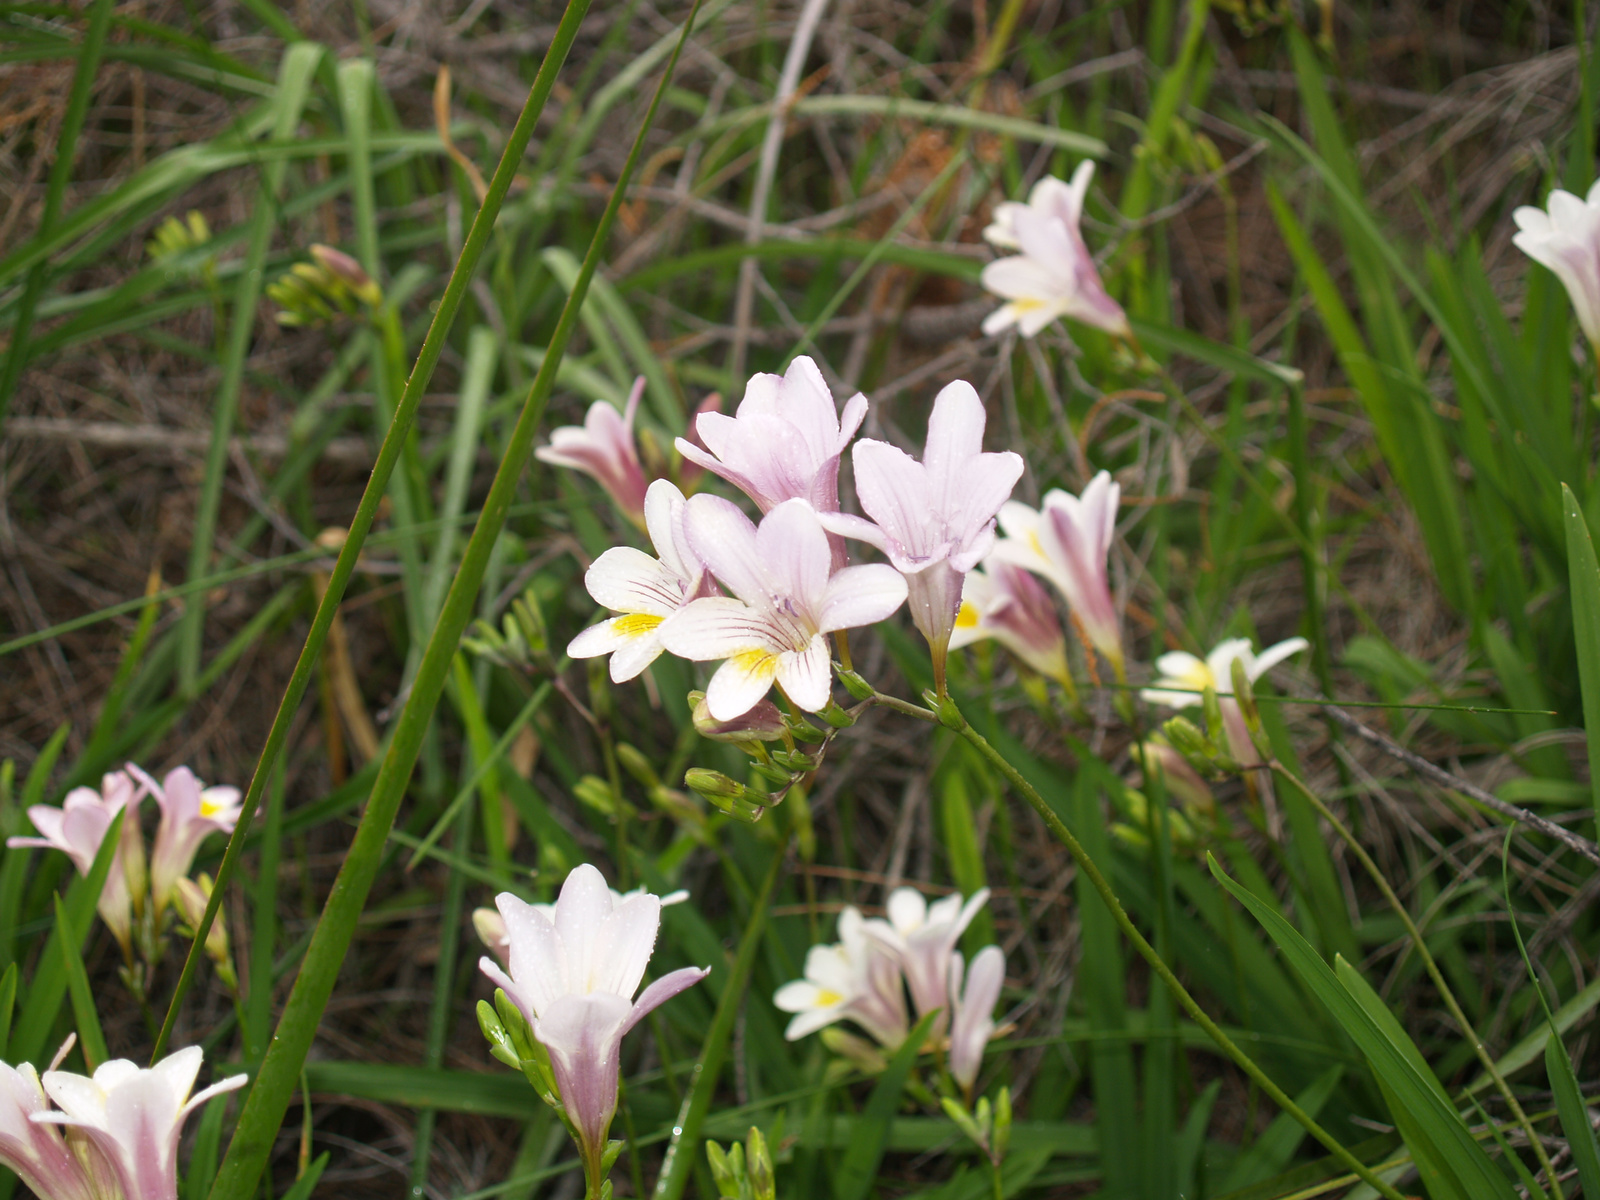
x: 857, y: 979
x: 133, y: 1116
x: 1055, y: 275
x: 1006, y: 603
x: 972, y: 1024
x: 603, y: 447
x: 1567, y: 240
x: 784, y: 603
x: 934, y: 519
x: 573, y: 976
x: 1191, y: 676
x: 79, y: 826
x: 784, y: 440
x: 189, y: 814
x: 1067, y: 542
x: 35, y: 1151
x: 645, y: 590
x: 921, y: 937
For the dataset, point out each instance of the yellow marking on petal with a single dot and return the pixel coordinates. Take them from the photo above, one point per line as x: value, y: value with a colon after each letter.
x: 636, y: 625
x: 967, y: 616
x: 1033, y: 540
x: 1027, y: 304
x: 208, y: 807
x: 763, y: 664
x: 1198, y: 678
x: 827, y: 999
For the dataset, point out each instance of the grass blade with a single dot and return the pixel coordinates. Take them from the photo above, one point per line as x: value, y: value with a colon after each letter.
x: 91, y: 1040
x: 870, y: 1137
x: 1584, y: 574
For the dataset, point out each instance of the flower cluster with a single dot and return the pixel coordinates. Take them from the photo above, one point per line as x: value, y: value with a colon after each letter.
x: 866, y: 976
x: 112, y: 1134
x: 136, y: 890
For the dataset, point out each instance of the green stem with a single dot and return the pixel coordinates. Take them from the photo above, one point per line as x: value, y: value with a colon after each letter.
x: 1432, y: 967
x: 263, y: 1110
x: 366, y: 510
x: 950, y: 716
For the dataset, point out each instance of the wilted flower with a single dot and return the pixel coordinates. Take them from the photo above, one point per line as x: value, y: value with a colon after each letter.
x: 603, y: 447
x: 573, y: 976
x: 922, y: 937
x: 1055, y: 275
x: 1567, y: 240
x: 645, y: 590
x: 972, y: 1024
x: 132, y: 1116
x: 784, y: 604
x: 783, y: 442
x: 35, y: 1151
x: 1178, y: 669
x: 189, y: 814
x: 1006, y: 603
x: 934, y: 519
x: 79, y: 826
x: 1067, y: 542
x: 858, y: 980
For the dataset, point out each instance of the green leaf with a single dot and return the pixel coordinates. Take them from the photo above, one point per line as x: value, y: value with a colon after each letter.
x: 855, y: 1175
x: 1394, y: 1060
x: 1275, y: 1148
x: 1574, y: 1114
x: 1584, y: 573
x: 306, y: 1184
x: 91, y: 1040
x: 1216, y: 354
x: 1530, y: 1047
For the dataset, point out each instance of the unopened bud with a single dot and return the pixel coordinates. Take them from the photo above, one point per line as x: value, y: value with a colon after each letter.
x: 763, y: 723
x: 758, y: 1164
x: 1002, y: 1124
x: 855, y: 684
x: 490, y: 927
x: 637, y: 765
x: 348, y: 272
x: 865, y: 1055
x: 191, y: 897
x: 729, y: 795
x: 837, y: 717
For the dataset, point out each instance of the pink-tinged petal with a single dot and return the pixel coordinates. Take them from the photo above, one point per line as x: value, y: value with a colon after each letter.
x: 855, y: 411
x: 741, y: 682
x: 792, y: 550
x: 629, y: 580
x: 1019, y: 278
x: 624, y: 946
x: 974, y: 1020
x: 859, y: 596
x: 205, y: 1095
x: 584, y: 1037
x: 851, y: 526
x: 719, y: 627
x: 662, y: 990
x: 581, y: 912
x: 934, y: 598
x: 537, y: 956
x: 907, y: 909
x: 807, y: 675
x: 1533, y: 220
x: 663, y: 518
x: 806, y: 402
x: 894, y: 491
x: 517, y: 993
x: 955, y: 437
x: 725, y: 540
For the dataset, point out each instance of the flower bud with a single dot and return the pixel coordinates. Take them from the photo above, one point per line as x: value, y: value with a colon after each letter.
x: 637, y: 765
x: 758, y: 1164
x: 730, y: 796
x: 854, y: 683
x: 763, y: 723
x: 349, y: 272
x: 192, y: 897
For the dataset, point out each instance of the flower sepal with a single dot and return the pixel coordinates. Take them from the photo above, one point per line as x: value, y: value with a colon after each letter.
x: 854, y: 683
x: 511, y: 1040
x: 945, y: 709
x: 987, y: 1126
x: 861, y: 1054
x: 729, y: 795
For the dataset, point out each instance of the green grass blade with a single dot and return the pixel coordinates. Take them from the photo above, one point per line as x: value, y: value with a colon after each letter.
x: 91, y: 1040
x: 66, y: 152
x: 870, y: 1137
x: 14, y: 869
x: 307, y: 1183
x: 1270, y: 1153
x: 1584, y: 575
x: 8, y: 1001
x: 294, y: 81
x: 280, y: 1069
x: 1574, y: 1114
x: 264, y: 927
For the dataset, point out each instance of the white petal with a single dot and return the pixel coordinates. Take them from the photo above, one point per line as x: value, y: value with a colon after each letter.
x: 718, y: 627
x: 740, y: 682
x: 626, y: 941
x: 1274, y: 655
x: 859, y: 596
x: 806, y: 676
x: 629, y: 580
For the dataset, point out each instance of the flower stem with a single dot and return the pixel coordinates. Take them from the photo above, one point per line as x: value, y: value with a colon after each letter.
x: 951, y: 717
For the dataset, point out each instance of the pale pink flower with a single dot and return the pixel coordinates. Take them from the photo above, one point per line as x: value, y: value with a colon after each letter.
x: 1184, y: 678
x: 603, y: 447
x: 645, y: 590
x: 79, y: 826
x: 1055, y: 275
x: 490, y: 926
x: 972, y: 1024
x: 783, y: 442
x: 785, y: 602
x: 1008, y: 604
x: 1067, y: 542
x: 922, y: 937
x: 573, y: 976
x: 189, y: 814
x: 37, y: 1152
x: 1567, y: 240
x: 934, y: 519
x: 857, y: 979
x: 133, y: 1116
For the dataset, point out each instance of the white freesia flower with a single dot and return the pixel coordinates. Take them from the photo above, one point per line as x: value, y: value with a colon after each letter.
x: 972, y: 1025
x: 37, y: 1152
x: 490, y: 926
x: 1191, y: 676
x: 856, y: 980
x: 922, y: 937
x: 1567, y: 240
x: 189, y: 814
x: 1006, y: 603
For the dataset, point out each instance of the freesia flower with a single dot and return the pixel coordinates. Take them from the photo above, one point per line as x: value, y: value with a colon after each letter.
x: 934, y: 519
x: 189, y: 814
x: 603, y: 447
x: 784, y: 603
x: 133, y: 1116
x: 857, y: 979
x: 1567, y: 240
x: 1006, y: 603
x: 490, y: 926
x: 1055, y: 275
x: 1067, y: 542
x: 573, y: 976
x: 922, y: 937
x: 37, y: 1152
x: 784, y: 440
x: 191, y: 896
x: 1178, y: 669
x: 972, y: 1024
x: 645, y: 590
x: 79, y: 826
